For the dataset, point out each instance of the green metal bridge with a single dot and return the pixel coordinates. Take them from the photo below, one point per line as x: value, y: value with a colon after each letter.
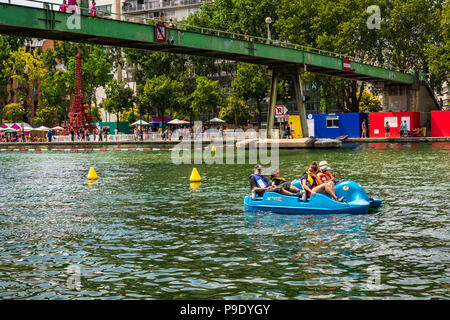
x: 47, y: 22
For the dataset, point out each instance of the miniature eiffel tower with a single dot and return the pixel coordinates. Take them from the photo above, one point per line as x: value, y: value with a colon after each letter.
x: 79, y: 115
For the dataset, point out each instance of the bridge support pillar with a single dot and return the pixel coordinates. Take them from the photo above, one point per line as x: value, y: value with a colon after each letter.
x: 301, y: 107
x: 416, y: 97
x: 273, y: 102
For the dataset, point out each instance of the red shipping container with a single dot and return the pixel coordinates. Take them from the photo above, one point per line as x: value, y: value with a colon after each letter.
x: 377, y: 121
x: 440, y: 123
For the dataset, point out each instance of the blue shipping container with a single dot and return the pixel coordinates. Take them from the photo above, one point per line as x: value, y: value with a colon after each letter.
x: 333, y: 125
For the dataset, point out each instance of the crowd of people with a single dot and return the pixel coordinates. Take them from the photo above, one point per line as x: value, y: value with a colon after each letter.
x: 97, y: 134
x: 317, y: 179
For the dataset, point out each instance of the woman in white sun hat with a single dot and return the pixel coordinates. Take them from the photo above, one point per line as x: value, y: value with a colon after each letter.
x: 327, y: 181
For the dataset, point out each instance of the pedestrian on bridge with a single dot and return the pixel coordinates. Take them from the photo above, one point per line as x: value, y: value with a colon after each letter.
x: 93, y: 11
x: 72, y: 4
x: 63, y: 7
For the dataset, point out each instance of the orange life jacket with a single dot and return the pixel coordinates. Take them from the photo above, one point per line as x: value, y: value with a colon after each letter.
x: 324, y: 176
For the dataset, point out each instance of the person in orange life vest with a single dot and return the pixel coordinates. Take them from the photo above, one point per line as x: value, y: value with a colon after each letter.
x: 286, y: 187
x: 310, y: 179
x: 327, y: 181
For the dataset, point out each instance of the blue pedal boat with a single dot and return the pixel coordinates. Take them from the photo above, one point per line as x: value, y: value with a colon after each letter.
x: 356, y: 201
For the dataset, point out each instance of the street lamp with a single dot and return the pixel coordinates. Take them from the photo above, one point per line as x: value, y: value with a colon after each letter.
x: 268, y: 22
x: 286, y: 97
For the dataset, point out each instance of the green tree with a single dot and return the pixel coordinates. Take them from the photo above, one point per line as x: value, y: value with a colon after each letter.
x: 53, y: 100
x: 28, y: 69
x: 252, y: 83
x: 206, y: 97
x: 97, y: 66
x: 13, y: 112
x: 119, y: 97
x: 438, y: 51
x: 369, y: 102
x: 161, y: 94
x: 235, y: 111
x: 147, y: 65
x: 96, y: 114
x: 237, y: 16
x: 408, y: 38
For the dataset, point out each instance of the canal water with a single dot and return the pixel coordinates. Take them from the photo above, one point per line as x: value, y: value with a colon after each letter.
x: 141, y: 231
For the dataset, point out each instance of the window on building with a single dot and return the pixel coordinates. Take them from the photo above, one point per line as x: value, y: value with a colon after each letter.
x: 192, y: 10
x: 392, y: 121
x: 333, y: 122
x: 104, y: 11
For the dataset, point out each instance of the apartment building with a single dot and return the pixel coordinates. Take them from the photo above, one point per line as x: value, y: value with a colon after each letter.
x: 154, y: 9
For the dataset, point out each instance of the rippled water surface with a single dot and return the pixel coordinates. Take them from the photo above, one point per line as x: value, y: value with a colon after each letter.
x: 141, y: 232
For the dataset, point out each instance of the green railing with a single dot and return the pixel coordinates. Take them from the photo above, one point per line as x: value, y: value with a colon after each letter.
x: 219, y: 33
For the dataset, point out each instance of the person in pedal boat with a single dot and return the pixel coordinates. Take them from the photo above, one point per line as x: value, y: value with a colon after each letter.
x: 286, y: 186
x: 326, y: 181
x: 310, y: 179
x: 260, y: 184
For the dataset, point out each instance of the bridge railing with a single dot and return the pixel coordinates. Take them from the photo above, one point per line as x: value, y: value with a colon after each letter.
x: 133, y: 18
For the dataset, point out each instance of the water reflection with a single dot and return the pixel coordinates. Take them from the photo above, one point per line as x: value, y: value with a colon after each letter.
x: 143, y: 232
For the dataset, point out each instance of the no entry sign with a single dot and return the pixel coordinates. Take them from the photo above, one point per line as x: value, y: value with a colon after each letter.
x: 160, y: 32
x: 346, y: 66
x: 280, y: 111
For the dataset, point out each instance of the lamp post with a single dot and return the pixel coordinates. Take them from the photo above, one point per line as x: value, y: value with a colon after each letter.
x: 286, y: 97
x: 268, y: 22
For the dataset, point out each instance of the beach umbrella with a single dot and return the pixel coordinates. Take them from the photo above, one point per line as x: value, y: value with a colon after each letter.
x: 175, y: 121
x: 216, y: 120
x: 42, y: 128
x: 140, y: 123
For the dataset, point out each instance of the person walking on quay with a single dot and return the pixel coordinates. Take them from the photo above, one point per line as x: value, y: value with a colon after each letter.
x: 364, y: 129
x: 72, y: 134
x: 287, y: 132
x: 387, y: 130
x: 100, y: 134
x: 49, y: 135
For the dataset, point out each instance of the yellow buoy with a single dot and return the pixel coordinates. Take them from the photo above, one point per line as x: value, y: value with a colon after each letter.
x: 195, y: 176
x: 92, y: 175
x: 213, y: 149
